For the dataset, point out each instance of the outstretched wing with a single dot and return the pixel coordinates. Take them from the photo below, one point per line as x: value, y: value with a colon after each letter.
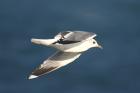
x: 54, y: 62
x: 78, y: 35
x: 69, y: 37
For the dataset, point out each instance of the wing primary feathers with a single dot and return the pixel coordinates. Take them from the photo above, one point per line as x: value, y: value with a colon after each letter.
x: 41, y: 71
x: 54, y: 62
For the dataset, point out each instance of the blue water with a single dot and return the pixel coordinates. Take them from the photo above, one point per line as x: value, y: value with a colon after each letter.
x: 115, y: 69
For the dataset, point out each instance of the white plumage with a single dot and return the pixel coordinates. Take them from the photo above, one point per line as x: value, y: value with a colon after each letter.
x: 70, y: 46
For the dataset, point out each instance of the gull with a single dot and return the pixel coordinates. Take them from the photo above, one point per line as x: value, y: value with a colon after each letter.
x: 69, y: 45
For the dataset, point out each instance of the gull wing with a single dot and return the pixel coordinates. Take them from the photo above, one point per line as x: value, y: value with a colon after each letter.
x: 78, y: 35
x: 69, y: 37
x: 54, y: 62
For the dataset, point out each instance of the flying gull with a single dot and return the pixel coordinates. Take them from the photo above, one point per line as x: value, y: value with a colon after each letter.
x: 69, y: 44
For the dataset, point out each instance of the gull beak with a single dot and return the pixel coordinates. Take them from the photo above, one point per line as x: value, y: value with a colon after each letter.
x: 99, y: 46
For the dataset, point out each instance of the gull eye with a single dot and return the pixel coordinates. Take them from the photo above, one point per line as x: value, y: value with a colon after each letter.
x: 94, y: 42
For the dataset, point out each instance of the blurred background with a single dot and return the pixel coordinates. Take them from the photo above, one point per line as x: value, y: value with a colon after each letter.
x: 115, y: 69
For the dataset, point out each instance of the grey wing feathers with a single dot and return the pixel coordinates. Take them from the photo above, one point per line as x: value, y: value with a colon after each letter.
x: 79, y: 36
x: 41, y: 71
x: 56, y: 61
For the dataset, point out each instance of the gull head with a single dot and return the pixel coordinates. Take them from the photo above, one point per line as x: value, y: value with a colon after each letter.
x: 95, y: 44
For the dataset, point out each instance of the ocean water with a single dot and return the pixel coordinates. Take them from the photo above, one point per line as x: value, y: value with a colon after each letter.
x: 115, y: 69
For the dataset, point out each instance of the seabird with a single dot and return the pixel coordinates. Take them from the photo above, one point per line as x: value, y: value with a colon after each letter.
x: 69, y: 44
